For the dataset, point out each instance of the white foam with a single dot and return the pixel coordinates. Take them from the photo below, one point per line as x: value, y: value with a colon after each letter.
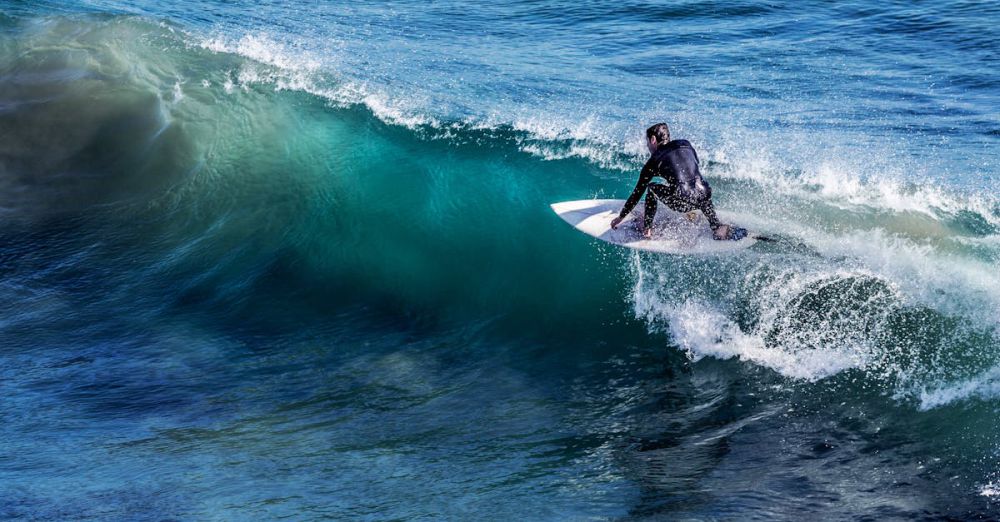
x: 882, y: 272
x: 264, y: 49
x: 601, y: 156
x: 990, y: 490
x: 705, y: 330
x: 178, y: 93
x: 588, y: 138
x: 951, y: 284
x: 983, y: 386
x: 852, y: 184
x: 294, y: 69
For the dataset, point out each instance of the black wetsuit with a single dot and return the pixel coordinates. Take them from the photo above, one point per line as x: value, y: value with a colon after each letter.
x: 685, y: 190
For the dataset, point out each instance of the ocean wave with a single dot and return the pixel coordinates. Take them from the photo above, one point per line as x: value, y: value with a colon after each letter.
x: 860, y: 252
x: 794, y: 172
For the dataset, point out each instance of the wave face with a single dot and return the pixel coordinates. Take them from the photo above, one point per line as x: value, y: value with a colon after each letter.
x: 299, y: 259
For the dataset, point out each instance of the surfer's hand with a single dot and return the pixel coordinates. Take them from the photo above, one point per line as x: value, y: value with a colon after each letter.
x: 616, y: 221
x: 721, y: 233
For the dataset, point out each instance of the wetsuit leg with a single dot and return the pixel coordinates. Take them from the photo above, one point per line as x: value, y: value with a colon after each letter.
x: 669, y: 196
x: 709, y: 210
x: 701, y: 199
x: 734, y: 233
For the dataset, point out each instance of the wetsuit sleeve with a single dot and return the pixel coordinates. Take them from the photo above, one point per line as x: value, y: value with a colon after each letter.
x: 640, y: 187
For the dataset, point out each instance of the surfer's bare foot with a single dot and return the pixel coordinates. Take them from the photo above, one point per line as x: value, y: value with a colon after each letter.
x: 721, y: 232
x: 648, y: 233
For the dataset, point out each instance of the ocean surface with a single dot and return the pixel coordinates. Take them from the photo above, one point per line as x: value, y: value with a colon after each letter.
x: 265, y: 260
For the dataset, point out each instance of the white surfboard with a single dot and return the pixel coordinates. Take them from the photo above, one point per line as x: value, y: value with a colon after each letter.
x: 673, y: 232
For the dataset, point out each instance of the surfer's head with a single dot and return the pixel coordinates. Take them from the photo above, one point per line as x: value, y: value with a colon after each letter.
x: 657, y: 135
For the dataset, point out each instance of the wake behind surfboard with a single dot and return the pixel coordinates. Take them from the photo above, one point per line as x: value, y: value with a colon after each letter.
x: 673, y: 232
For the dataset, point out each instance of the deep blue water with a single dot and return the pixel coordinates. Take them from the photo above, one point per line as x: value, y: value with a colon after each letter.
x: 292, y: 260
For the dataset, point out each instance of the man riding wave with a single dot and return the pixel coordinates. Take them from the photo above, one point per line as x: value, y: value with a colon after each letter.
x: 684, y: 191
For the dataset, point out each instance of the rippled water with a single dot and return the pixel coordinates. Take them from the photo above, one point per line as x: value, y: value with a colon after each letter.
x: 295, y: 260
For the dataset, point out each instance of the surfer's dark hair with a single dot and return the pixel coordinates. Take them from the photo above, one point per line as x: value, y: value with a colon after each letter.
x: 661, y: 131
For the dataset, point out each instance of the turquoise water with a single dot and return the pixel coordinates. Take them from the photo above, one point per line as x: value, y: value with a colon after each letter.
x: 296, y: 260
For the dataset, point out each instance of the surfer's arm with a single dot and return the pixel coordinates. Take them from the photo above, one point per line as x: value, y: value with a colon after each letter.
x: 640, y: 188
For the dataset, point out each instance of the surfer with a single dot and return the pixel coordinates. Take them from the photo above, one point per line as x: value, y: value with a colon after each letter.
x: 684, y: 191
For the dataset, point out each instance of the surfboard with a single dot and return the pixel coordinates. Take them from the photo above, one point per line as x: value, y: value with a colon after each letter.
x: 673, y: 232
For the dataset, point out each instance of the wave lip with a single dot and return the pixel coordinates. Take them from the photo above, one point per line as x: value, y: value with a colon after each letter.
x: 290, y: 68
x: 876, y: 181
